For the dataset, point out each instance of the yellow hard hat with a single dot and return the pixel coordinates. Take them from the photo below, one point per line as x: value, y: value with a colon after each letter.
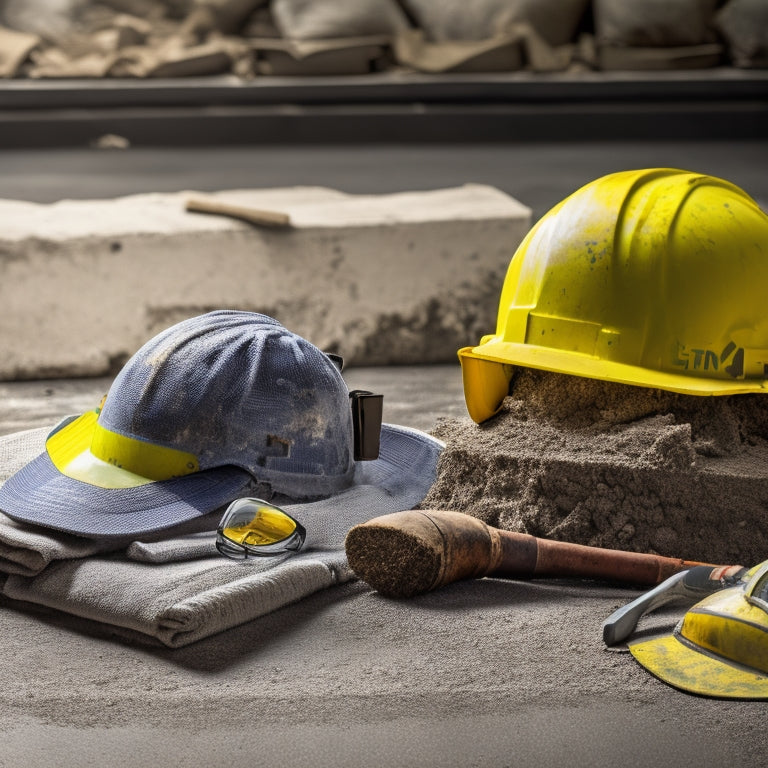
x: 656, y: 278
x: 720, y: 648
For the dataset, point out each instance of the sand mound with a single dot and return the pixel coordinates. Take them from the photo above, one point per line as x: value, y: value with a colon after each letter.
x: 615, y: 466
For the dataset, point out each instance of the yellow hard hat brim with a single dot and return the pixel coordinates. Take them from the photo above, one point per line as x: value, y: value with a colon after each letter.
x: 485, y: 385
x: 695, y: 670
x: 485, y: 388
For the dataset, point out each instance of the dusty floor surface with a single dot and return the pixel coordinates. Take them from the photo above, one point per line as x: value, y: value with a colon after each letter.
x: 487, y: 673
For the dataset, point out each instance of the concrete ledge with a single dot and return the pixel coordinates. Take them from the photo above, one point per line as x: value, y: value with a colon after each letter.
x: 405, y: 278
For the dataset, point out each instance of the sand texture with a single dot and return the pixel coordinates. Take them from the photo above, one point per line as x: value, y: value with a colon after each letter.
x: 616, y: 466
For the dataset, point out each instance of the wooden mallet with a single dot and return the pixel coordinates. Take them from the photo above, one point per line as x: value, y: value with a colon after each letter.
x: 408, y: 553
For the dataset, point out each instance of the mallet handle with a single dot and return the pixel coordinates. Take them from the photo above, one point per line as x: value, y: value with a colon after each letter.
x: 524, y: 556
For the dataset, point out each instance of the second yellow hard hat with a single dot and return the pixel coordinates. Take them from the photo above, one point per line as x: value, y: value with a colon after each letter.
x: 720, y: 648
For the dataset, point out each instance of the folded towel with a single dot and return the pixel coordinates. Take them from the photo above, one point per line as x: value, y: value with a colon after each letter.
x: 26, y: 549
x: 172, y: 550
x: 178, y: 603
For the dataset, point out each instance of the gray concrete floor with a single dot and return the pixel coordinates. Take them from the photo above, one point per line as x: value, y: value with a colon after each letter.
x: 490, y: 673
x: 539, y: 175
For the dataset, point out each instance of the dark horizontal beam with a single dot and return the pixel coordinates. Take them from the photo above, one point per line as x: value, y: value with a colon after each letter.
x: 707, y: 104
x: 403, y: 123
x: 722, y: 84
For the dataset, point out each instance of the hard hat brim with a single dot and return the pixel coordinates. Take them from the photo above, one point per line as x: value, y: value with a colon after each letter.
x: 484, y: 404
x: 686, y: 666
x: 485, y: 384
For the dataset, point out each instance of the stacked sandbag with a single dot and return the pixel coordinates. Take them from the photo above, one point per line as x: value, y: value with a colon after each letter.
x: 327, y: 37
x: 743, y: 24
x: 251, y: 38
x: 656, y: 34
x: 498, y: 35
x: 117, y: 38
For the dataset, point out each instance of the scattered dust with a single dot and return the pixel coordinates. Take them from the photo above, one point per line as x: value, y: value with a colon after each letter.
x: 616, y: 466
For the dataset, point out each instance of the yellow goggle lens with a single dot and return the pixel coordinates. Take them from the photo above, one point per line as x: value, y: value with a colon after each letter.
x: 256, y: 527
x: 267, y: 526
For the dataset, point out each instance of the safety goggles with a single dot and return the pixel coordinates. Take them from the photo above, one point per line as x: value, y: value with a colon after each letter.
x: 256, y: 528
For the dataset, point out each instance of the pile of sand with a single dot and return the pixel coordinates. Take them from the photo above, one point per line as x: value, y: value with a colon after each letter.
x: 615, y: 466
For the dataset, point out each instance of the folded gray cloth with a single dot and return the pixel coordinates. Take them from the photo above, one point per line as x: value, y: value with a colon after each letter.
x: 26, y: 549
x: 179, y: 602
x: 172, y: 550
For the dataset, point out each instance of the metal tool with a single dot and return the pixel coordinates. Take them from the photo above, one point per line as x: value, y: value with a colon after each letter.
x: 691, y: 585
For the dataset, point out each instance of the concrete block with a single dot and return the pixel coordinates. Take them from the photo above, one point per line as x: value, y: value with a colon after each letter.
x: 389, y: 279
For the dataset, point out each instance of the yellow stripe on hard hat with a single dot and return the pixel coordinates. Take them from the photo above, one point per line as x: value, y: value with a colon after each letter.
x: 86, y: 451
x: 731, y: 636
